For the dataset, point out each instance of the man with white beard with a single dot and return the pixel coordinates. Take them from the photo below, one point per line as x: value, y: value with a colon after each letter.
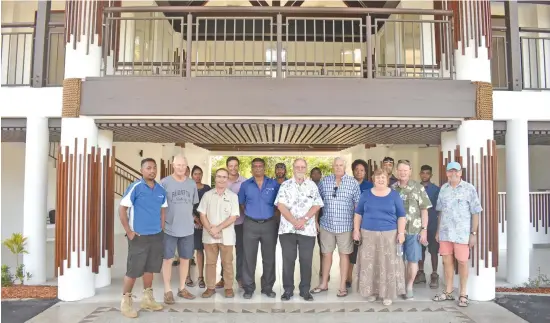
x: 299, y: 202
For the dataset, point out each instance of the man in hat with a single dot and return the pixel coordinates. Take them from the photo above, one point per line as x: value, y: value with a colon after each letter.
x: 459, y: 207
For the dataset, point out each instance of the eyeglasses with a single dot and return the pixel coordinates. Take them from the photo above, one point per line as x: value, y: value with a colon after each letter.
x: 335, y: 189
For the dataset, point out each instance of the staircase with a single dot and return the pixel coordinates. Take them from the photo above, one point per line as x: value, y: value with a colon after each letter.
x: 124, y: 174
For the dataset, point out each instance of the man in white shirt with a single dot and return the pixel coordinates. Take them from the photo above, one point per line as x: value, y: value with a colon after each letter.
x: 219, y: 209
x: 299, y: 202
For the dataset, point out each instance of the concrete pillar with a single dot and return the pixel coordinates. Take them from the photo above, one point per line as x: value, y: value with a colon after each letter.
x: 517, y: 202
x: 103, y: 277
x: 35, y: 197
x: 77, y: 281
x: 474, y: 134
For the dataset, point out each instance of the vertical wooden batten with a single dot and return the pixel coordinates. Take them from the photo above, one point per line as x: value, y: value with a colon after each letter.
x: 85, y: 217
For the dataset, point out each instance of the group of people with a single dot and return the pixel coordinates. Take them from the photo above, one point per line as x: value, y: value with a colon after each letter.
x: 382, y: 226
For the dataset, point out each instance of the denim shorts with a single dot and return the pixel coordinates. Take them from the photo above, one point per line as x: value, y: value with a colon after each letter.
x: 412, y: 248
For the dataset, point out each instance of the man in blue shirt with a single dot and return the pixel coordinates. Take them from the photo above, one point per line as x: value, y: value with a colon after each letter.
x: 433, y: 246
x: 257, y: 197
x: 142, y: 213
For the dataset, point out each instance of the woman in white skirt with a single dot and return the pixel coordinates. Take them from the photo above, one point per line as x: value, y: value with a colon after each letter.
x: 379, y: 226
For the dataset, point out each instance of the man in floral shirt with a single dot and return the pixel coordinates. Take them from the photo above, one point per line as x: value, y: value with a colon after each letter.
x: 299, y: 201
x: 417, y: 203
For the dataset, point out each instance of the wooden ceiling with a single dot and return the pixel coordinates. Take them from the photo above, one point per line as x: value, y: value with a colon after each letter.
x: 277, y: 135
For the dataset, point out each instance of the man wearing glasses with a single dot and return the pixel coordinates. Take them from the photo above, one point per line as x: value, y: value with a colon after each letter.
x: 257, y: 197
x: 340, y: 194
x: 219, y: 209
x: 387, y: 165
x: 299, y: 201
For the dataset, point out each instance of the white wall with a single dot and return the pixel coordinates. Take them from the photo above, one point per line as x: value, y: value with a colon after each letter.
x: 13, y: 175
x: 21, y: 102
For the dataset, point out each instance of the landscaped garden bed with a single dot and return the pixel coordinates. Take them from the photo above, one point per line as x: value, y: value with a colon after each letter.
x: 29, y: 291
x: 526, y: 290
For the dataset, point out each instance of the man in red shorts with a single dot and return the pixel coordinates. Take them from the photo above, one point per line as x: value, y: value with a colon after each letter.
x: 459, y: 207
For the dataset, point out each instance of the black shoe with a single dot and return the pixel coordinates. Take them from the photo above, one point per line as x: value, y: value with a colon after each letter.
x: 306, y: 296
x: 348, y: 284
x: 176, y: 263
x: 269, y: 293
x: 247, y: 295
x: 287, y: 296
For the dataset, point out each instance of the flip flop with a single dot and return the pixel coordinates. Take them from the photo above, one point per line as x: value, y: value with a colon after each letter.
x: 342, y: 293
x: 318, y: 290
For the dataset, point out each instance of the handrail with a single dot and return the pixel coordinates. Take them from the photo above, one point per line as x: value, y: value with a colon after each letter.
x: 29, y: 24
x: 135, y: 172
x: 277, y: 10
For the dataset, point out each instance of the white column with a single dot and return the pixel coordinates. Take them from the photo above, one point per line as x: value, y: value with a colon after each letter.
x: 35, y: 197
x: 103, y: 277
x: 449, y: 141
x: 474, y: 134
x: 78, y: 281
x: 517, y: 201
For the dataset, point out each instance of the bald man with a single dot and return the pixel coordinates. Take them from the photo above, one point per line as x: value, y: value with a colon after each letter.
x: 179, y: 227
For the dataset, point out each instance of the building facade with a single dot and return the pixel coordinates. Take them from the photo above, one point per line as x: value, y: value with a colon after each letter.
x: 89, y: 88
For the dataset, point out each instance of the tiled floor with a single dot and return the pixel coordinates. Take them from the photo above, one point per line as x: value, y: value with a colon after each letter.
x: 103, y: 307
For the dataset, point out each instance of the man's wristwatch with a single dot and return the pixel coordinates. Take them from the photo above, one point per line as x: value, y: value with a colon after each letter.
x: 424, y: 228
x: 473, y: 233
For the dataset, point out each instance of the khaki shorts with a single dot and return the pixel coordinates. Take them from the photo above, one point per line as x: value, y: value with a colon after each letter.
x: 330, y: 240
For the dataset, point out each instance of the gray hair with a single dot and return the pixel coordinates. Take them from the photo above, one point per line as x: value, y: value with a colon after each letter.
x: 298, y: 159
x: 337, y: 159
x: 180, y: 157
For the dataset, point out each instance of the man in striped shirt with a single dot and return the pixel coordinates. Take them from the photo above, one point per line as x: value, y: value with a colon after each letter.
x: 340, y: 194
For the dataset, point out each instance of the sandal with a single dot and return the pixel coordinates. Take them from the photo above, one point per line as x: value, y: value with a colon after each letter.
x: 342, y: 293
x: 189, y: 282
x: 463, y: 301
x: 318, y: 290
x: 444, y: 296
x: 387, y: 302
x: 201, y: 282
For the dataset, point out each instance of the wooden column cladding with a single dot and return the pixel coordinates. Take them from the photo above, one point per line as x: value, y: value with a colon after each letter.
x: 471, y: 25
x: 85, y: 206
x: 165, y: 168
x: 86, y: 18
x: 481, y: 172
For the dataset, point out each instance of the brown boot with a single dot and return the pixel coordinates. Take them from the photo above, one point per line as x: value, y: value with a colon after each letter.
x: 434, y: 281
x: 126, y: 307
x: 148, y: 301
x: 220, y: 284
x: 229, y: 293
x: 208, y: 293
x: 169, y: 298
x: 420, y: 277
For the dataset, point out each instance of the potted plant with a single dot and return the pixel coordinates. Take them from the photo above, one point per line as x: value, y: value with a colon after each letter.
x: 16, y: 244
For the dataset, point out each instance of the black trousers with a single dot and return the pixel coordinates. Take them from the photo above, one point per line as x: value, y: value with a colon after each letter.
x: 293, y: 244
x: 255, y: 233
x: 238, y: 252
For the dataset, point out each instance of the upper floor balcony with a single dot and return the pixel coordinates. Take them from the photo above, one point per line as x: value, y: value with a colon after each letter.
x: 271, y: 42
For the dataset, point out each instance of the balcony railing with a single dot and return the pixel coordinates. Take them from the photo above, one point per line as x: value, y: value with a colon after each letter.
x: 18, y: 51
x: 278, y: 42
x: 535, y: 59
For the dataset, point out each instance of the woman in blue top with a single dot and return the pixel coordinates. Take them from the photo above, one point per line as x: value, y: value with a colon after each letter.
x: 379, y: 224
x: 359, y: 168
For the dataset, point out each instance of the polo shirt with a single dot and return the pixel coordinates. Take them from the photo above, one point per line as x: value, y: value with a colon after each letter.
x: 259, y: 202
x: 144, y: 204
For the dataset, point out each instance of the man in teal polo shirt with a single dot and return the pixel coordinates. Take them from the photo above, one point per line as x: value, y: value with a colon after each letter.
x: 142, y: 213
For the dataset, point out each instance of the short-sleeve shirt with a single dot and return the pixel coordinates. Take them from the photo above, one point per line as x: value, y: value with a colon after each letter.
x: 339, y: 203
x: 299, y: 199
x: 144, y: 205
x: 181, y: 196
x: 259, y: 202
x: 365, y: 185
x: 433, y: 193
x: 414, y: 198
x: 235, y: 187
x: 457, y: 205
x: 380, y: 213
x: 217, y: 209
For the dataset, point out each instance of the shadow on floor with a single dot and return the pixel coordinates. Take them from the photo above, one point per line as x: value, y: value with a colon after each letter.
x: 533, y: 309
x: 22, y: 311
